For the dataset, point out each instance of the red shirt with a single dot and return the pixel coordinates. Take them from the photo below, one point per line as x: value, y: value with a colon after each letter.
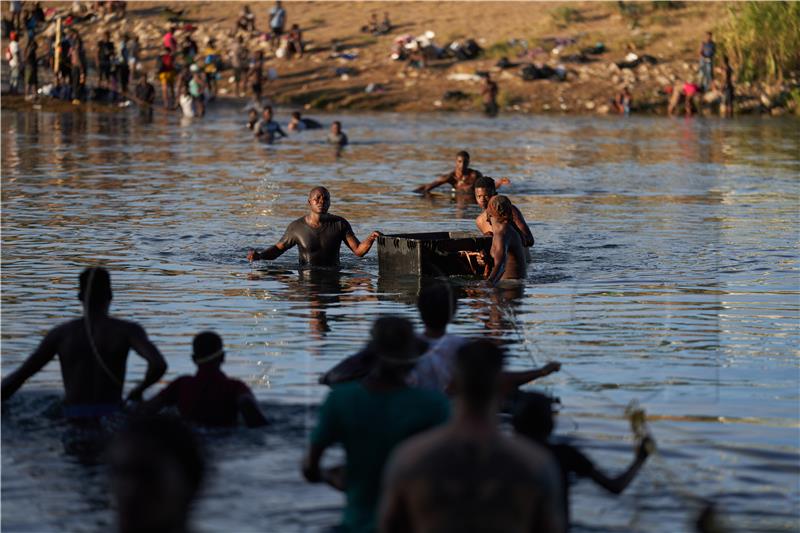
x: 209, y: 398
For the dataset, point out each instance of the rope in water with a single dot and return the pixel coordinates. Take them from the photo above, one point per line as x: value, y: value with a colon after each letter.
x: 637, y: 418
x: 87, y: 324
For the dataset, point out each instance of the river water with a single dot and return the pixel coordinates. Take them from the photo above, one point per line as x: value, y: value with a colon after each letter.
x: 665, y: 270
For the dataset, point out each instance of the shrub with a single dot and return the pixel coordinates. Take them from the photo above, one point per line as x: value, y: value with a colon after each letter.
x: 762, y: 39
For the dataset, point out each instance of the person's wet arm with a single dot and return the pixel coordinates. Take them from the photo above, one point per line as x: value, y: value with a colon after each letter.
x: 44, y: 353
x: 441, y: 180
x: 499, y: 253
x: 619, y: 483
x: 522, y: 226
x: 251, y: 413
x: 156, y: 365
x: 511, y: 380
x: 361, y: 248
x: 273, y: 252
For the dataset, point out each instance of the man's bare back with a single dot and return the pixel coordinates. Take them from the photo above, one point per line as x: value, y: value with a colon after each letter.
x: 89, y: 377
x: 92, y: 352
x: 449, y: 480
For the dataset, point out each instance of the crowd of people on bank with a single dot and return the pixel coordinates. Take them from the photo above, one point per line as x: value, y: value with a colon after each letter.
x: 189, y: 75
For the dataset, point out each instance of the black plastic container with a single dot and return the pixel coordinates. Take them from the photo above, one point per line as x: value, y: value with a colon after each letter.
x: 429, y: 254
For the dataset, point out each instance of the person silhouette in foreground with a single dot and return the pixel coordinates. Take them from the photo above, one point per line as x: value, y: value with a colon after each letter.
x: 156, y: 468
x: 467, y: 475
x: 369, y: 418
x: 318, y: 235
x: 437, y: 305
x: 534, y: 419
x: 209, y: 398
x: 93, y: 352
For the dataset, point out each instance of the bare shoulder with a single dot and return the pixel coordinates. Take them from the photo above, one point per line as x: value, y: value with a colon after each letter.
x: 128, y: 327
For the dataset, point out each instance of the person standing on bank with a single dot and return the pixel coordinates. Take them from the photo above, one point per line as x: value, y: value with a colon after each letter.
x: 318, y: 235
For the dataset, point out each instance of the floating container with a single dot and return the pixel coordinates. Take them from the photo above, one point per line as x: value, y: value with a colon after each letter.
x: 430, y: 254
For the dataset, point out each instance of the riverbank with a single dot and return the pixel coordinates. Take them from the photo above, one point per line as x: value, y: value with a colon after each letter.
x: 345, y: 68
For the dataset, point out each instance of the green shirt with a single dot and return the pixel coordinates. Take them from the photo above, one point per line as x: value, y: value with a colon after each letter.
x: 369, y: 425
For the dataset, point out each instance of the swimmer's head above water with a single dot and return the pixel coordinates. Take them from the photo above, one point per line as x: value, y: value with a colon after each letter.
x: 95, y: 288
x: 267, y: 113
x: 319, y: 200
x: 207, y: 349
x: 462, y: 161
x: 500, y: 208
x: 485, y: 189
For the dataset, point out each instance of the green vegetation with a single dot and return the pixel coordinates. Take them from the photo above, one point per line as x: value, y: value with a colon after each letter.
x: 564, y: 16
x: 762, y: 39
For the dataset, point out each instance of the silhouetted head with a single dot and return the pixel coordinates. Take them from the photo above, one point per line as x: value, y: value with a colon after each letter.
x: 708, y: 36
x: 107, y: 35
x: 533, y: 417
x: 157, y: 469
x: 296, y: 115
x: 95, y: 289
x: 500, y: 208
x: 319, y: 199
x: 207, y: 349
x: 437, y: 305
x: 462, y: 160
x: 485, y: 189
x: 336, y: 127
x: 267, y: 113
x: 477, y: 374
x: 392, y: 339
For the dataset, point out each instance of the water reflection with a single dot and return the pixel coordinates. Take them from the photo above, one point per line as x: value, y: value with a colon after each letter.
x: 665, y: 270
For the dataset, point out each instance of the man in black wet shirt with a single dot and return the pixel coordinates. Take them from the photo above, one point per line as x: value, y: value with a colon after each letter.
x: 318, y: 235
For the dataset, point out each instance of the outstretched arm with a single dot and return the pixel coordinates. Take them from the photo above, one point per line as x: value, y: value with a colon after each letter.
x: 44, y: 353
x: 361, y: 248
x: 441, y: 180
x: 273, y: 252
x: 619, y: 483
x: 510, y: 381
x: 156, y: 365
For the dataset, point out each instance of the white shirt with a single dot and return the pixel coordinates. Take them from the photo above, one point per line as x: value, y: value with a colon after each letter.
x: 435, y: 368
x: 13, y: 52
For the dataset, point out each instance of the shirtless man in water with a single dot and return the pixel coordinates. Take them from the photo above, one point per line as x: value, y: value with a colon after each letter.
x: 467, y: 475
x: 318, y: 235
x: 507, y: 251
x: 462, y: 179
x: 485, y: 190
x: 92, y: 351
